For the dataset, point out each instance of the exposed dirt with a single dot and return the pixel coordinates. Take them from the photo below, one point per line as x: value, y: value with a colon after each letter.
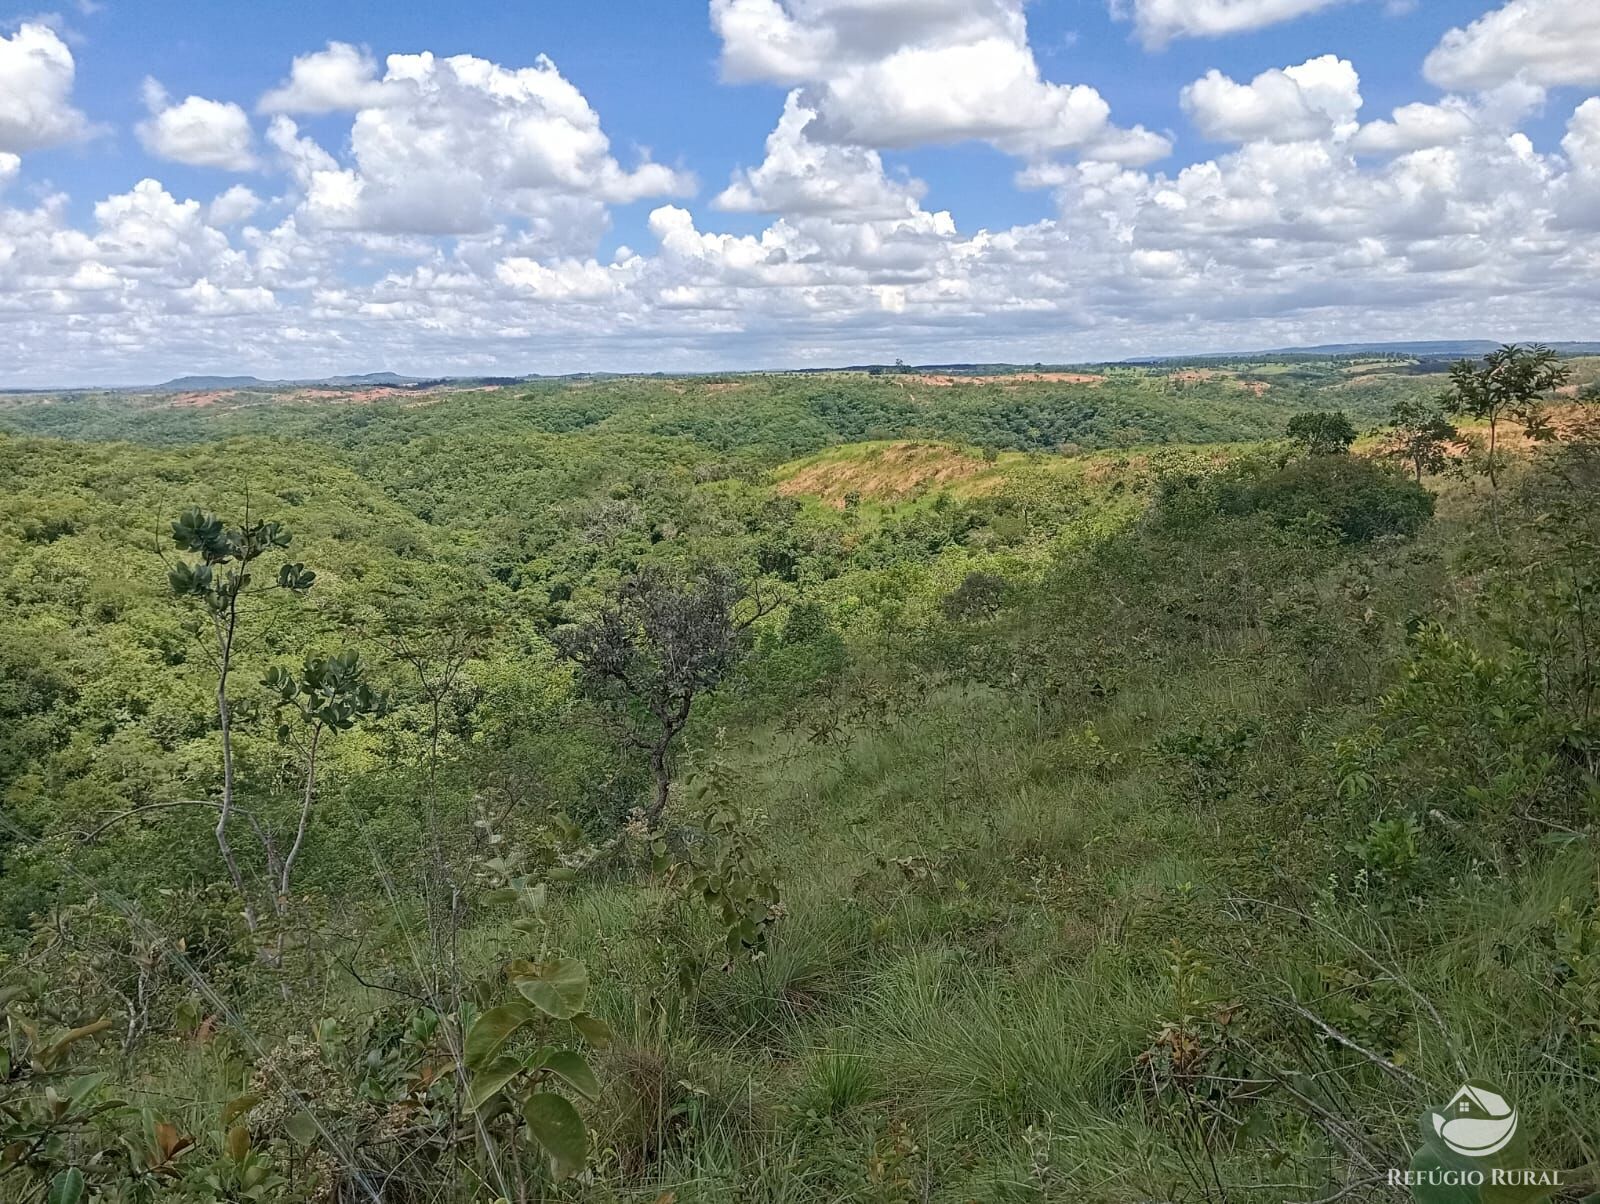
x: 891, y: 473
x: 1015, y: 378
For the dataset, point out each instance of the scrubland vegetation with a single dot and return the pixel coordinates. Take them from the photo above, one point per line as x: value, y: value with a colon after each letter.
x: 809, y: 788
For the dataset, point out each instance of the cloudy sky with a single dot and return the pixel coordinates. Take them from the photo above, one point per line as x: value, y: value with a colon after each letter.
x: 288, y: 188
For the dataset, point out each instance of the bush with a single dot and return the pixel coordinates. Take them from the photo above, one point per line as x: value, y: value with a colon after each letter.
x: 1348, y: 498
x: 1360, y: 500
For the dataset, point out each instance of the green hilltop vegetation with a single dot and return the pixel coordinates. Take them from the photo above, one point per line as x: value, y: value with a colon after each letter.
x: 1159, y: 783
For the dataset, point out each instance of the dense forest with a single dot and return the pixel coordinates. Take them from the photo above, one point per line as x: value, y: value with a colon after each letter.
x: 1149, y: 784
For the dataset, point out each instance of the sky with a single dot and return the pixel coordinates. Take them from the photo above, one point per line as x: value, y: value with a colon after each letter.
x: 290, y: 189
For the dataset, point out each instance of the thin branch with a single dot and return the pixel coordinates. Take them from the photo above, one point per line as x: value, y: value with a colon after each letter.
x: 1334, y: 1034
x: 90, y: 837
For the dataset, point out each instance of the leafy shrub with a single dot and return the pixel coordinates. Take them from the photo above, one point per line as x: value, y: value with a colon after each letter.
x: 1323, y: 432
x: 1345, y: 498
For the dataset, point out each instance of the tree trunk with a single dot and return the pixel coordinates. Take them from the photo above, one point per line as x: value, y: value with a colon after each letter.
x: 662, y: 776
x: 226, y: 722
x: 305, y: 818
x: 1494, y: 474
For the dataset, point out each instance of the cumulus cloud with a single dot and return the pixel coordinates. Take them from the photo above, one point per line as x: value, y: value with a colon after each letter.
x: 451, y: 145
x: 1582, y: 142
x: 237, y: 204
x: 1160, y: 21
x: 1548, y: 43
x: 1414, y: 127
x: 454, y: 219
x: 804, y: 177
x: 36, y: 75
x: 197, y: 131
x: 340, y: 77
x: 1317, y: 99
x: 895, y: 73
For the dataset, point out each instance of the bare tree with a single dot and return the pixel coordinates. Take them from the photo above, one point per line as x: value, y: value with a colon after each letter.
x: 665, y: 640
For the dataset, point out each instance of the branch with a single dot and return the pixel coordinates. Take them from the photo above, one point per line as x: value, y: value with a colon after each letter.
x: 1329, y: 1031
x: 89, y: 837
x: 762, y: 608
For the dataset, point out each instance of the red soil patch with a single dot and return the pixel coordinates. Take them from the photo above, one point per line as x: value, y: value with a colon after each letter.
x: 1015, y: 378
x: 891, y: 473
x: 1055, y: 378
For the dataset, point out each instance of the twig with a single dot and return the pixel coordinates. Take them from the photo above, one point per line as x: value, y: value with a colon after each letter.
x: 89, y: 837
x: 1329, y: 1031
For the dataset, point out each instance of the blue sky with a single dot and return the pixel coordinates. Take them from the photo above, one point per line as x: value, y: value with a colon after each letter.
x: 955, y: 179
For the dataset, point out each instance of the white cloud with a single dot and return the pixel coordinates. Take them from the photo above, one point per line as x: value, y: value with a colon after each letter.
x: 1414, y: 127
x: 1160, y: 21
x: 341, y: 77
x: 1582, y: 142
x: 197, y: 131
x: 895, y: 73
x: 1549, y: 43
x: 9, y: 165
x: 237, y: 204
x: 800, y: 176
x: 567, y: 280
x: 1578, y: 199
x: 453, y: 145
x: 1317, y: 99
x: 458, y: 227
x: 36, y: 76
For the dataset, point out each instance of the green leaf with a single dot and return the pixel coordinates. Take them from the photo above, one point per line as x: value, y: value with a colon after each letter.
x: 490, y: 1081
x: 237, y: 1107
x: 491, y: 1030
x: 52, y: 1054
x: 594, y: 1030
x: 571, y: 1066
x: 67, y: 1187
x: 556, y: 988
x: 557, y: 1127
x: 302, y: 1126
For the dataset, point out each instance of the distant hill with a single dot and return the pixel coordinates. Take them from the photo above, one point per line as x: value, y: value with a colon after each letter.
x: 195, y: 384
x: 1422, y: 349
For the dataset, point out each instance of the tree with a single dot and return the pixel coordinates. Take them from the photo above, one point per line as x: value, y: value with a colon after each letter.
x: 664, y: 641
x: 1322, y: 432
x: 1510, y: 387
x: 329, y: 695
x: 1423, y: 434
x: 219, y: 578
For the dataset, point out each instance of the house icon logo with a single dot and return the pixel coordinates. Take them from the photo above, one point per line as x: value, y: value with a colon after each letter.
x: 1476, y: 1122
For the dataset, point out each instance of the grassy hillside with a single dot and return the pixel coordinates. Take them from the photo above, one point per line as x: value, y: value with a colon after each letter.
x: 1173, y: 821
